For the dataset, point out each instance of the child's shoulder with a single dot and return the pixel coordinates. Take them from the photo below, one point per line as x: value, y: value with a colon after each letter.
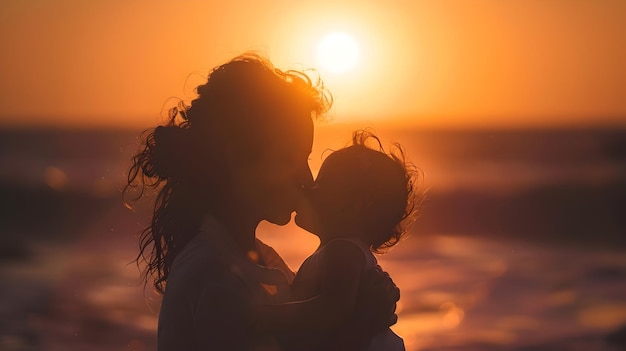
x: 351, y: 246
x: 350, y: 241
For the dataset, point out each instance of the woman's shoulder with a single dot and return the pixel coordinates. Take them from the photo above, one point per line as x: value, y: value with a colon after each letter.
x: 199, y: 263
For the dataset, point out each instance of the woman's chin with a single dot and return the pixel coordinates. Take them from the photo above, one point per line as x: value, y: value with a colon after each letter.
x: 300, y: 222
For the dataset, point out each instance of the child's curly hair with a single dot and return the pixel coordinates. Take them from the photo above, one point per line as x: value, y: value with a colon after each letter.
x: 386, y: 182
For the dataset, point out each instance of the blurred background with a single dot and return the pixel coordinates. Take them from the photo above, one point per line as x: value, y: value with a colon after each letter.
x: 515, y: 111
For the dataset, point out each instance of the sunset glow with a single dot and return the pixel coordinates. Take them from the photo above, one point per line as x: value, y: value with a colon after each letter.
x: 513, y: 113
x: 338, y: 52
x: 468, y: 64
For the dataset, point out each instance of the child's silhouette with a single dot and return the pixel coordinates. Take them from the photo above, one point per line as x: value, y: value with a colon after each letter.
x: 359, y: 204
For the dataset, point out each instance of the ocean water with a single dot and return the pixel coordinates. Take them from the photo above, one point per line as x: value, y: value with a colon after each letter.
x: 520, y: 243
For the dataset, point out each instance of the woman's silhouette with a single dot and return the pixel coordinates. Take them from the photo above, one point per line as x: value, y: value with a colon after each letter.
x: 238, y: 155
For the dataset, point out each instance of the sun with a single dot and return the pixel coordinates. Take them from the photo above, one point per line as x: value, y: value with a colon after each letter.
x: 338, y: 52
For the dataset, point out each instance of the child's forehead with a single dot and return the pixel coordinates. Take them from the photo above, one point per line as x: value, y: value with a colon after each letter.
x: 356, y: 156
x: 341, y: 158
x: 361, y: 165
x: 351, y: 161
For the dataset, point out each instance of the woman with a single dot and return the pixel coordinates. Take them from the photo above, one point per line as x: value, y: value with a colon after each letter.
x: 238, y: 155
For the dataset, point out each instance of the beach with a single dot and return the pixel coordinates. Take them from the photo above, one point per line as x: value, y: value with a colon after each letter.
x: 519, y: 243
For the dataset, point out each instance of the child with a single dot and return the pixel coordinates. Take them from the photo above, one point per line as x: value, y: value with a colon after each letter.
x: 359, y: 204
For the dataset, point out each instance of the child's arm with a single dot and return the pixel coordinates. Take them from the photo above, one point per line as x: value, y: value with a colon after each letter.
x: 340, y: 270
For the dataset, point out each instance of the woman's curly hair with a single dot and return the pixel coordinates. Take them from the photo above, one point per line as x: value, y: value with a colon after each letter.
x: 240, y: 107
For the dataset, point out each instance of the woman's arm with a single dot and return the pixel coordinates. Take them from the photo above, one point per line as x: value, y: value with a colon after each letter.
x: 340, y: 270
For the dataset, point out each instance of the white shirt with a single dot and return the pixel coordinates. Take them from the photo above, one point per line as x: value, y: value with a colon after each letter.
x: 209, y: 289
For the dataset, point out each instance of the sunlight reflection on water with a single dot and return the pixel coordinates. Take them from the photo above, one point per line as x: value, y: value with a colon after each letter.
x: 455, y: 291
x: 465, y: 291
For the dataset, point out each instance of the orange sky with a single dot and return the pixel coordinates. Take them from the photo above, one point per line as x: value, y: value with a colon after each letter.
x: 431, y: 63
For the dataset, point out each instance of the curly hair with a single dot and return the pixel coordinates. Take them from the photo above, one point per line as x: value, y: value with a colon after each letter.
x: 245, y: 103
x: 386, y: 182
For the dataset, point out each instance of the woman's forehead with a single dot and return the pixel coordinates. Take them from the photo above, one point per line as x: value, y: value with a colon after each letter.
x: 297, y: 133
x: 290, y: 138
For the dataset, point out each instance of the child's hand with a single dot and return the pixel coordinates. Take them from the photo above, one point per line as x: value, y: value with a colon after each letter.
x: 377, y: 300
